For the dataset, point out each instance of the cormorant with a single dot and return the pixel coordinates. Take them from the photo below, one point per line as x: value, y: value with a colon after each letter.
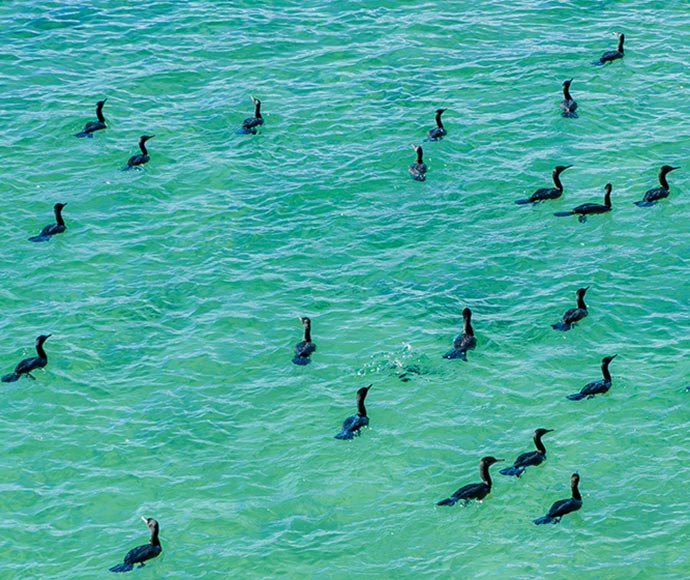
x: 418, y: 168
x: 304, y: 348
x: 596, y: 387
x: 29, y: 364
x: 143, y: 157
x: 92, y: 126
x: 610, y: 55
x: 563, y: 506
x: 56, y: 228
x: 524, y: 460
x: 476, y: 491
x: 547, y: 192
x: 439, y: 131
x: 250, y: 124
x: 354, y: 423
x: 568, y: 105
x: 465, y: 341
x: 653, y: 195
x: 572, y: 315
x: 140, y: 554
x: 586, y: 209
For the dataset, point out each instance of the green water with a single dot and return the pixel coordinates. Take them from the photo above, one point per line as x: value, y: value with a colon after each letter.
x: 173, y: 296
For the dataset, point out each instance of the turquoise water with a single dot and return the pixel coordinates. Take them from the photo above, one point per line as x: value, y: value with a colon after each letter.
x: 173, y: 296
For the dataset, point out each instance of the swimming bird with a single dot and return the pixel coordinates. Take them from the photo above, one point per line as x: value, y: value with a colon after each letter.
x: 29, y: 364
x: 547, y: 192
x: 586, y: 209
x: 465, y: 341
x: 56, y: 228
x: 573, y: 315
x: 524, y: 460
x: 568, y: 104
x: 143, y: 157
x: 92, y: 126
x: 354, y: 423
x: 563, y: 506
x: 610, y: 55
x: 418, y: 168
x: 476, y: 491
x: 596, y: 387
x: 250, y: 124
x: 439, y: 131
x: 653, y: 195
x: 140, y: 554
x: 305, y: 347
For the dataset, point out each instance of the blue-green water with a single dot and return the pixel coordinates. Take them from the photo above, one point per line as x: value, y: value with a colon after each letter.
x: 174, y: 294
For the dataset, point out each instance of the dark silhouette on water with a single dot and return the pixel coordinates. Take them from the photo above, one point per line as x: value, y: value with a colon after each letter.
x: 653, y: 195
x: 573, y: 315
x: 589, y: 208
x: 418, y: 168
x: 563, y: 506
x: 524, y: 460
x: 305, y: 347
x: 250, y: 124
x: 547, y: 192
x: 30, y: 364
x: 143, y: 157
x: 57, y: 228
x: 92, y: 126
x: 354, y: 423
x: 465, y: 341
x: 596, y: 387
x: 611, y: 55
x: 140, y: 554
x: 568, y: 104
x: 439, y: 131
x: 476, y: 491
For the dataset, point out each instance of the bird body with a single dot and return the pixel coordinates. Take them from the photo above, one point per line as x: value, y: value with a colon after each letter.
x: 50, y: 230
x: 353, y: 424
x: 418, y: 168
x: 250, y: 124
x: 596, y: 387
x: 143, y: 157
x: 305, y: 347
x: 653, y: 195
x: 93, y: 126
x: 585, y: 209
x: 611, y: 55
x: 524, y: 460
x: 465, y: 341
x: 30, y: 364
x: 563, y: 506
x: 568, y: 104
x: 544, y: 193
x: 439, y: 131
x: 476, y: 491
x: 573, y: 315
x: 140, y: 554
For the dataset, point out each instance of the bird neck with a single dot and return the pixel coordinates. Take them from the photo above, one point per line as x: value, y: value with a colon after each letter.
x: 556, y: 175
x: 257, y: 109
x: 581, y: 302
x: 607, y: 199
x: 40, y: 351
x: 662, y: 180
x: 420, y: 154
x: 467, y: 327
x: 361, y: 409
x: 539, y: 445
x: 566, y: 93
x: 439, y: 123
x: 605, y: 371
x: 576, y: 492
x: 58, y: 216
x: 142, y: 146
x: 484, y: 474
x: 154, y: 541
x: 99, y: 113
x: 307, y: 333
x: 621, y: 38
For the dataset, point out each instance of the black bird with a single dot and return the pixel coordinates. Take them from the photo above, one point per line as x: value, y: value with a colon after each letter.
x: 476, y: 491
x: 568, y: 104
x: 547, y: 192
x: 140, y: 554
x: 563, y: 506
x: 572, y: 315
x: 596, y: 387
x: 304, y: 348
x: 653, y: 195
x: 29, y: 364
x: 418, y: 168
x: 524, y: 460
x: 439, y: 131
x: 250, y: 124
x: 610, y: 55
x: 92, y: 126
x: 586, y: 209
x: 465, y: 341
x: 143, y: 157
x: 56, y: 228
x: 354, y: 423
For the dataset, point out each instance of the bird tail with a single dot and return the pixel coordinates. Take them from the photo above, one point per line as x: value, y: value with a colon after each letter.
x: 11, y: 377
x: 597, y: 62
x: 456, y: 353
x: 546, y: 520
x: 243, y: 131
x: 512, y: 470
x: 419, y: 177
x: 301, y: 360
x: 576, y: 397
x: 569, y: 115
x: 124, y: 567
x: 39, y: 238
x: 563, y: 213
x: 84, y: 134
x: 561, y: 326
x: 523, y: 201
x: 448, y: 501
x: 644, y: 203
x: 345, y: 434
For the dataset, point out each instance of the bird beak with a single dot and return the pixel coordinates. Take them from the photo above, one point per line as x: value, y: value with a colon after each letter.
x: 614, y: 356
x: 673, y: 168
x: 143, y: 519
x: 500, y: 460
x: 48, y: 335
